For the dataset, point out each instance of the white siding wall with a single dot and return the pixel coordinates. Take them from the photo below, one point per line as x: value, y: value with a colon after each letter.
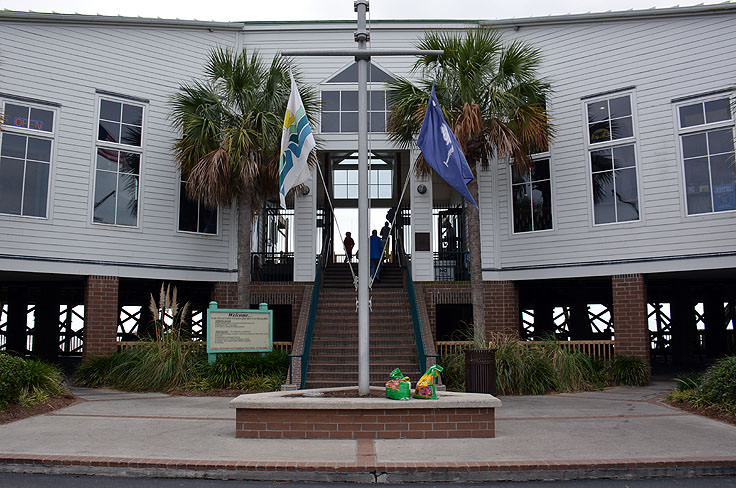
x: 663, y: 59
x: 422, y: 262
x: 66, y: 64
x: 305, y: 230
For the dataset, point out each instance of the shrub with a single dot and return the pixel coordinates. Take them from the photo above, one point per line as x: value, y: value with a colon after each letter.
x: 718, y: 385
x: 453, y: 371
x: 629, y: 370
x: 13, y: 377
x: 232, y: 370
x: 28, y: 382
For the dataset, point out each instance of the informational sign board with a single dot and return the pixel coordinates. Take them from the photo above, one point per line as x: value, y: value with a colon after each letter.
x: 238, y: 330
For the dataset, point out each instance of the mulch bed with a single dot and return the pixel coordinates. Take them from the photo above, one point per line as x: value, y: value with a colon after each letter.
x: 351, y: 393
x: 712, y: 412
x: 16, y: 412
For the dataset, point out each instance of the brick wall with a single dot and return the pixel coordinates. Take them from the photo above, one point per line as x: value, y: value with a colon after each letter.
x: 502, y: 308
x: 402, y: 423
x: 100, y: 315
x: 439, y: 293
x: 630, y: 315
x: 501, y: 303
x: 225, y: 293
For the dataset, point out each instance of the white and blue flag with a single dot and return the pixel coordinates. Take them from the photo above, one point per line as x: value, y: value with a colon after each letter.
x: 442, y: 151
x: 297, y: 141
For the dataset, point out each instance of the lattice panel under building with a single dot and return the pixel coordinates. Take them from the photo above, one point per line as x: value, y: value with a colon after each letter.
x: 601, y: 321
x: 30, y: 327
x: 659, y: 319
x: 561, y: 319
x: 128, y: 322
x: 527, y: 323
x: 71, y: 329
x: 3, y: 326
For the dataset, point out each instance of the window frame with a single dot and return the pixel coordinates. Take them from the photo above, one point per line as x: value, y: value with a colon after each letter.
x: 181, y: 180
x: 39, y: 134
x: 590, y: 147
x: 344, y: 87
x: 703, y: 128
x: 120, y: 147
x: 387, y: 158
x: 535, y: 157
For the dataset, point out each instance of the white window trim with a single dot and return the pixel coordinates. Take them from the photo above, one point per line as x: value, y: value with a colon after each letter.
x: 178, y: 215
x: 510, y: 190
x: 341, y: 87
x: 11, y: 129
x: 705, y: 127
x: 118, y: 147
x: 589, y: 147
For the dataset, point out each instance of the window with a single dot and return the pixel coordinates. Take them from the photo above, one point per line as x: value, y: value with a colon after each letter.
x: 340, y: 111
x: 706, y: 138
x: 340, y: 106
x: 194, y: 216
x: 118, y: 163
x: 532, y: 194
x: 612, y: 154
x: 25, y: 159
x: 345, y: 176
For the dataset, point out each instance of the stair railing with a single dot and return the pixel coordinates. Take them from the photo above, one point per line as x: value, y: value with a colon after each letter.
x: 322, y: 259
x: 414, y: 308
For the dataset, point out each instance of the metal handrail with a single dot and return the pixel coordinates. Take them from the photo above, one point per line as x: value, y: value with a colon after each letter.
x: 418, y: 337
x: 313, y: 304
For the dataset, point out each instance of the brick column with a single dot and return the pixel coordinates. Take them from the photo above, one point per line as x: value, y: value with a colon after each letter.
x: 100, y: 315
x: 225, y: 293
x: 502, y: 308
x: 630, y: 316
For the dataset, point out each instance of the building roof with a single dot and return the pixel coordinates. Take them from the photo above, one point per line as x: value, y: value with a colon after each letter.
x: 10, y: 15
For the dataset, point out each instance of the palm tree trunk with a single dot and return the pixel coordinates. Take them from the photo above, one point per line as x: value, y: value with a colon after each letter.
x: 476, y: 274
x: 245, y: 219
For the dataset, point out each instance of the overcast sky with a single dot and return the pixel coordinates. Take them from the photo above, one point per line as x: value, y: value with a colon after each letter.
x: 248, y: 10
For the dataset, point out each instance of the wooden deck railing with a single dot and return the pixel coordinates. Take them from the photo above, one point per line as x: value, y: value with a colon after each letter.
x: 595, y: 349
x: 284, y: 346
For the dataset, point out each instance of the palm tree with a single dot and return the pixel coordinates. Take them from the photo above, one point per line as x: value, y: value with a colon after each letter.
x: 230, y: 136
x: 494, y: 100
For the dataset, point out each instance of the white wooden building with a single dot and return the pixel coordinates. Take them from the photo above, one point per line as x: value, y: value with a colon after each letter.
x: 635, y: 198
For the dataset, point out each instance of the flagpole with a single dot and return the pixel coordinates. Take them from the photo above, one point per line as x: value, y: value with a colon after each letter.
x: 361, y: 37
x: 362, y: 57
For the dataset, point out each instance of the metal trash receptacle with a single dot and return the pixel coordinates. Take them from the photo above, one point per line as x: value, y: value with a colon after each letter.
x: 480, y: 371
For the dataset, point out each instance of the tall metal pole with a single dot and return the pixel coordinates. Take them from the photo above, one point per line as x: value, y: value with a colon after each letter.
x: 361, y: 37
x: 362, y: 57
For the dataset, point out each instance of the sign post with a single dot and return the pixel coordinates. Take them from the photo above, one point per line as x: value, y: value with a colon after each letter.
x: 238, y: 330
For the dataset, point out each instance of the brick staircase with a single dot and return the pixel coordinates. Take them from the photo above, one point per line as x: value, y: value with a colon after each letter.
x: 334, y: 356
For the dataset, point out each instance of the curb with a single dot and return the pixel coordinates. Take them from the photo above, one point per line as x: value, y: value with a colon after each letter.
x: 371, y: 472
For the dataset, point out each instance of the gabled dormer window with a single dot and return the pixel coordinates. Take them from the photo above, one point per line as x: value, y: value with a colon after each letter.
x: 340, y: 101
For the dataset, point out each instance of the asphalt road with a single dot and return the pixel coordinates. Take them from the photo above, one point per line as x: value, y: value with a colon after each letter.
x: 12, y: 480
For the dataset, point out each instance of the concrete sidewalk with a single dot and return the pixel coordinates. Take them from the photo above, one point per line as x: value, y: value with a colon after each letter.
x: 619, y: 432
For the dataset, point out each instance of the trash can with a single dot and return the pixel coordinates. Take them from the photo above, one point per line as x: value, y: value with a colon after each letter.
x: 480, y: 371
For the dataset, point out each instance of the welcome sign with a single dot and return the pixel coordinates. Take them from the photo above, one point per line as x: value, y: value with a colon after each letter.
x: 238, y: 330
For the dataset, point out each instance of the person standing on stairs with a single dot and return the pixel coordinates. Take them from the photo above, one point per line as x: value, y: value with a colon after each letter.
x: 349, y: 243
x: 376, y: 250
x: 385, y: 233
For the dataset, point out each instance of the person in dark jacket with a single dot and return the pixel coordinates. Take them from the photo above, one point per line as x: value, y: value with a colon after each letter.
x: 349, y: 244
x: 376, y: 250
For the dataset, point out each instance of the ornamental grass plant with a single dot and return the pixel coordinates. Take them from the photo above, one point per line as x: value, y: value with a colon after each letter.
x: 544, y: 366
x: 168, y: 361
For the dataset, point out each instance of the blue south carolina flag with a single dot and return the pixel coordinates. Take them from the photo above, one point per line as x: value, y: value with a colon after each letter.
x: 442, y: 151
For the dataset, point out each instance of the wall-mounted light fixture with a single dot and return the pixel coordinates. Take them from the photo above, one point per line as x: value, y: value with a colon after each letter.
x: 305, y: 190
x: 422, y: 189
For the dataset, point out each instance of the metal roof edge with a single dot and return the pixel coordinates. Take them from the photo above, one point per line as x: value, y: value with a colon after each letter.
x: 720, y: 8
x: 18, y: 16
